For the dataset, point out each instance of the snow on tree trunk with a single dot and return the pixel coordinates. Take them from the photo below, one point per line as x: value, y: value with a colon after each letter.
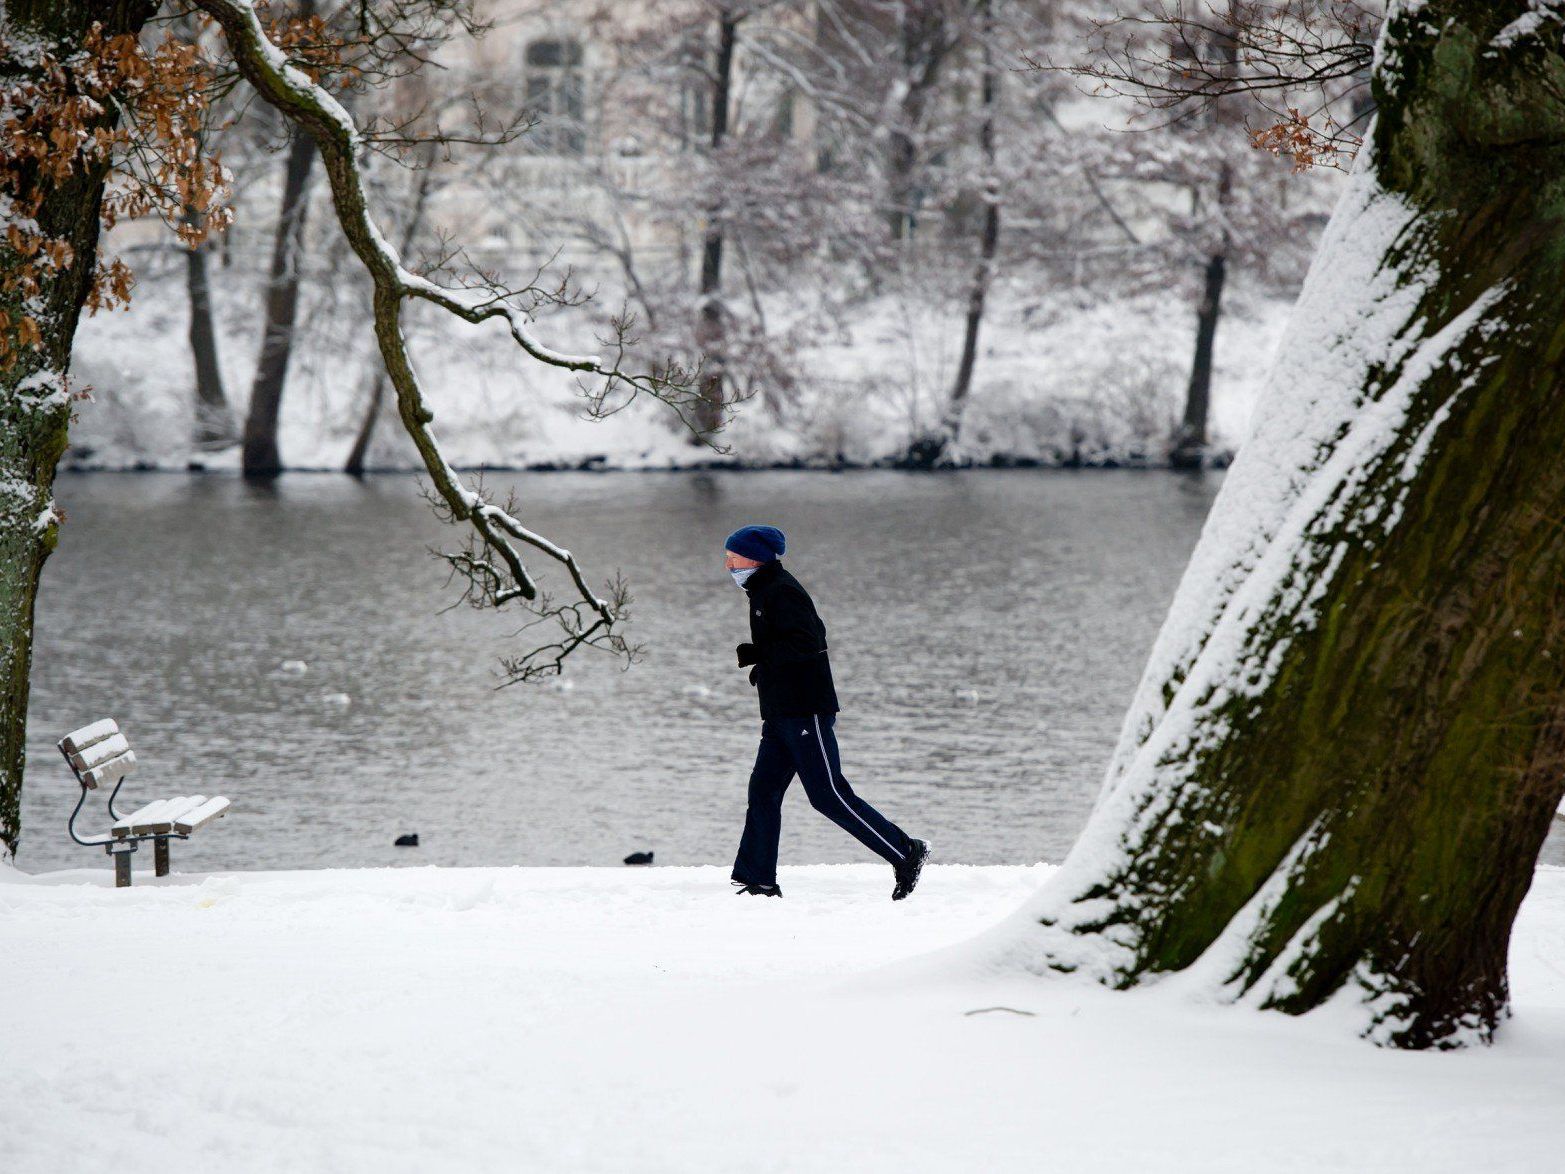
x: 1342, y: 760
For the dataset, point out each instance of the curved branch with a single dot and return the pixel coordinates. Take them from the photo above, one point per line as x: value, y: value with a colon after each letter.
x: 312, y: 108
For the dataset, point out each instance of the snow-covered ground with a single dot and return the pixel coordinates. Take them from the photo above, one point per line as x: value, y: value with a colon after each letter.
x: 592, y: 1019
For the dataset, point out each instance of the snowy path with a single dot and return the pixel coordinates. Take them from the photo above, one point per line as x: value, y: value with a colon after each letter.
x: 614, y: 1020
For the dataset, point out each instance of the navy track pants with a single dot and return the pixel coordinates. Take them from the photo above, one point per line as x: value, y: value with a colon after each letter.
x: 807, y: 747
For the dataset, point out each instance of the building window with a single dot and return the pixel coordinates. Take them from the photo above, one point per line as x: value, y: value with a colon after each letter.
x: 554, y: 96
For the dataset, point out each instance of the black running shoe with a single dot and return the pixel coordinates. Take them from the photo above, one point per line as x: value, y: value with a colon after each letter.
x: 741, y: 889
x: 908, y: 869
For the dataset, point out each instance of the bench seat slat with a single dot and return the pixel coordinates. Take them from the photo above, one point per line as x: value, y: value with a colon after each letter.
x: 198, y: 816
x: 156, y: 816
x: 139, y: 816
x: 78, y: 740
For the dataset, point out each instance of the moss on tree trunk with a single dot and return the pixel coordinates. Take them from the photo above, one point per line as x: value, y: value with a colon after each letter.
x: 1348, y: 748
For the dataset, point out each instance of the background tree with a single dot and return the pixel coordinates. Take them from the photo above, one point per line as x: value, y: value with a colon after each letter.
x: 1188, y: 450
x: 710, y: 332
x: 1344, y: 756
x: 214, y: 420
x: 927, y: 33
x: 1293, y: 73
x: 989, y: 233
x: 358, y: 55
x: 1304, y: 64
x: 970, y: 188
x: 707, y: 202
x: 280, y: 313
x: 799, y: 195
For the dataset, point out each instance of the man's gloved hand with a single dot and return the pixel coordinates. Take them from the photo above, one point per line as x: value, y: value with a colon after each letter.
x: 747, y: 655
x: 753, y: 671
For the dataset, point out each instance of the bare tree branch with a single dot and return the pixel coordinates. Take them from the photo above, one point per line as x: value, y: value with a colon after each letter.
x: 1304, y: 63
x: 493, y: 564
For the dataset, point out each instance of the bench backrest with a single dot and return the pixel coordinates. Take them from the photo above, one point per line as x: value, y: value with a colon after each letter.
x: 98, y: 753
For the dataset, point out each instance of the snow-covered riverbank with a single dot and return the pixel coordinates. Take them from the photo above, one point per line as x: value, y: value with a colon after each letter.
x: 594, y: 1019
x: 1062, y: 378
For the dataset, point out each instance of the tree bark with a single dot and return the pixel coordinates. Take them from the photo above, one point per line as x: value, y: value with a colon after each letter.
x: 214, y: 423
x: 1346, y: 751
x: 34, y: 399
x: 261, y: 457
x: 709, y: 328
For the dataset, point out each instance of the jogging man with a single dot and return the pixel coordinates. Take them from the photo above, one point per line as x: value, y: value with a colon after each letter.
x: 788, y: 665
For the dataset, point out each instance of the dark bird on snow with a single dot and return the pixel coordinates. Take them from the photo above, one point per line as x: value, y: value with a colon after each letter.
x: 408, y: 841
x: 639, y: 858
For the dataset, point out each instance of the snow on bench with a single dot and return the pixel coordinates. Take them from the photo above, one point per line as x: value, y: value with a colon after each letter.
x: 99, y: 753
x: 157, y: 818
x: 181, y: 815
x: 198, y: 817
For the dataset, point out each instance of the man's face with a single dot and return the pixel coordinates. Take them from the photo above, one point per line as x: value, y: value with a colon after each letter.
x: 737, y: 562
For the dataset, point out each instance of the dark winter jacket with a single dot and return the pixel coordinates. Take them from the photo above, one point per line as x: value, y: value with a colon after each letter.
x: 788, y: 647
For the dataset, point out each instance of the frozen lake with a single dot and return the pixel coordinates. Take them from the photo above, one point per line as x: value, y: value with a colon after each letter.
x: 173, y: 601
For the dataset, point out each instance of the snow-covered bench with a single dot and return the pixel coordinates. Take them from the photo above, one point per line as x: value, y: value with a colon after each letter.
x: 99, y: 754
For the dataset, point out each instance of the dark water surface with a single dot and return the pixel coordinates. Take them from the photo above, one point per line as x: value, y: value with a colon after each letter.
x: 987, y: 629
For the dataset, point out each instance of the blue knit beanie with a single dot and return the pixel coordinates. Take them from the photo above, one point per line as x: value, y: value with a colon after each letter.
x: 762, y: 543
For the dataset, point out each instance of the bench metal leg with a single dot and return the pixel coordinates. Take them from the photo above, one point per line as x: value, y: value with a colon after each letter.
x: 160, y: 857
x: 122, y: 868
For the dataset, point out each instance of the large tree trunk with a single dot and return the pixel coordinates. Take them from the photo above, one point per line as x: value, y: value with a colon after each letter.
x: 34, y: 401
x: 214, y: 423
x: 1344, y: 755
x: 261, y: 457
x: 709, y: 329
